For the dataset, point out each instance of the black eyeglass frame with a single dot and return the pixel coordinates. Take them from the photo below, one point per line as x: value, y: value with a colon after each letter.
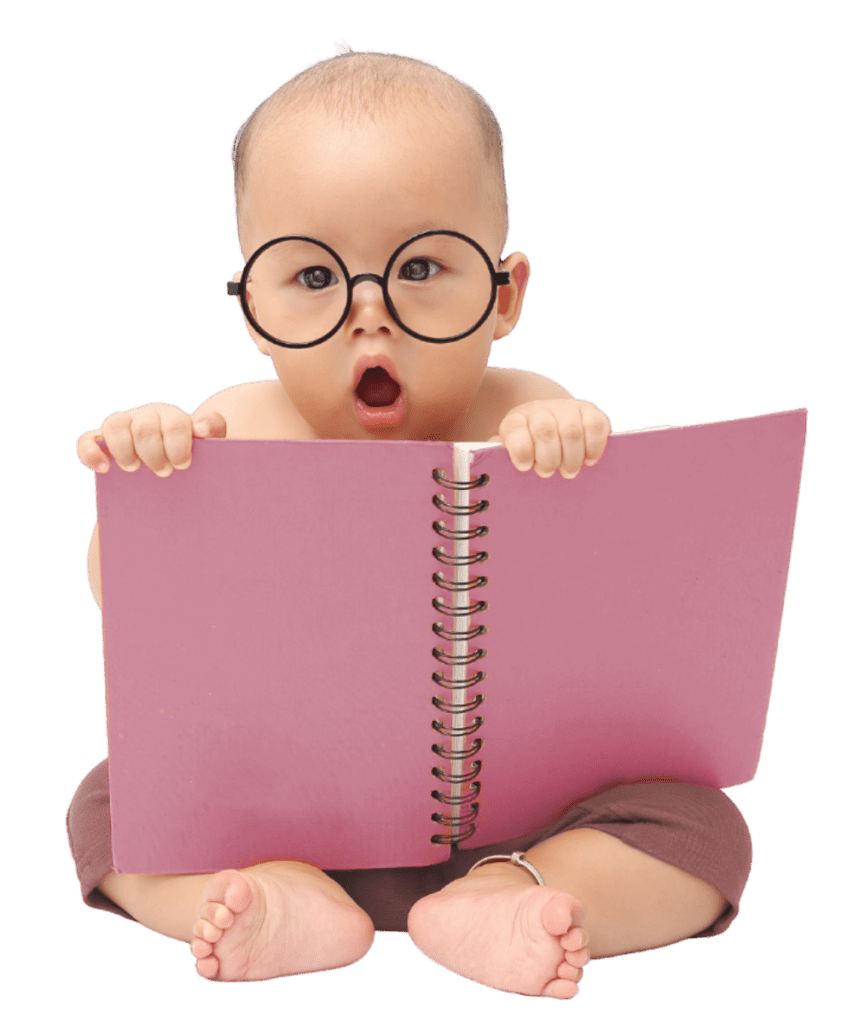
x: 239, y: 288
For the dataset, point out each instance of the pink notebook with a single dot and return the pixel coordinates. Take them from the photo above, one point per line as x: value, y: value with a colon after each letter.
x: 322, y: 651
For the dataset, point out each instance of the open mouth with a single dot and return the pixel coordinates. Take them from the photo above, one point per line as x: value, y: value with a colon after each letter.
x: 379, y: 400
x: 377, y: 387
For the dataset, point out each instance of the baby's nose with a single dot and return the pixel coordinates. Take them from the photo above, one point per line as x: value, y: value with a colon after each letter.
x: 368, y: 303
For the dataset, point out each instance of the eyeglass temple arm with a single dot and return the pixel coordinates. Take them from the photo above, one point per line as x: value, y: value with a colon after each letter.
x: 500, y: 278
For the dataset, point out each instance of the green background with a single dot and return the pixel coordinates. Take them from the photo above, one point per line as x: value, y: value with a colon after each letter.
x: 679, y: 177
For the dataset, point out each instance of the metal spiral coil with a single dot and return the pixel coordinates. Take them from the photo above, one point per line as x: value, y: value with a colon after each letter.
x: 457, y: 659
x: 463, y: 819
x: 443, y: 531
x: 459, y: 485
x: 442, y: 839
x: 457, y: 801
x: 450, y: 778
x: 458, y: 755
x: 458, y: 684
x: 459, y: 510
x: 464, y: 824
x: 463, y: 709
x: 440, y: 580
x: 465, y: 730
x: 463, y: 610
x: 441, y: 555
x: 448, y: 634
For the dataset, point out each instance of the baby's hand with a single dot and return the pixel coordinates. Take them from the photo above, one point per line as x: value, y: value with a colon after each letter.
x: 554, y: 433
x: 161, y: 436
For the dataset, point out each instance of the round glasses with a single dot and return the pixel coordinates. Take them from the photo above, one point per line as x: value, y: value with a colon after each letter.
x: 438, y: 286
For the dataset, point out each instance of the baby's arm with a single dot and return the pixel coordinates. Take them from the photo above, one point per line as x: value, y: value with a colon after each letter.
x: 159, y: 435
x: 94, y: 566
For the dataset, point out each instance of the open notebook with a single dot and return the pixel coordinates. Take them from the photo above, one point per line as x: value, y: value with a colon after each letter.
x: 326, y: 651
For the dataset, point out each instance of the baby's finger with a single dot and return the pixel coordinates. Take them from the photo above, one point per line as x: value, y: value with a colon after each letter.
x: 90, y: 452
x: 147, y: 432
x: 209, y: 424
x: 545, y: 432
x: 571, y: 442
x: 515, y: 434
x: 177, y: 432
x: 119, y: 440
x: 596, y: 428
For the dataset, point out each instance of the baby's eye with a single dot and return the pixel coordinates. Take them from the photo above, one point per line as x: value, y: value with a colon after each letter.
x: 316, y: 278
x: 419, y: 269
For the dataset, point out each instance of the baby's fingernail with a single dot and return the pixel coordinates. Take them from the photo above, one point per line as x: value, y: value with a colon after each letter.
x: 165, y: 471
x: 590, y: 462
x: 183, y: 465
x: 568, y: 476
x: 523, y: 466
x: 202, y: 429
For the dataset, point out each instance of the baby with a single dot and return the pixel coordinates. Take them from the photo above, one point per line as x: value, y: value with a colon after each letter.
x: 361, y: 153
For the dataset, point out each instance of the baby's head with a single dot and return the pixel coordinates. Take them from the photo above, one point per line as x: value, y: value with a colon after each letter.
x: 362, y: 152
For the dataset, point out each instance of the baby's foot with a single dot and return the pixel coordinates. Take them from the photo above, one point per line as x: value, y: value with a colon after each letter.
x: 518, y: 938
x: 276, y: 918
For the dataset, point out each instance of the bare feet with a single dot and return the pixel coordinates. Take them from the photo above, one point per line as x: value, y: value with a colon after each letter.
x: 515, y: 937
x: 276, y: 918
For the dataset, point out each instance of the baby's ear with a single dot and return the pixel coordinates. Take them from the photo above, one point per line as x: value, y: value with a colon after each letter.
x: 519, y: 275
x: 260, y: 342
x: 511, y: 296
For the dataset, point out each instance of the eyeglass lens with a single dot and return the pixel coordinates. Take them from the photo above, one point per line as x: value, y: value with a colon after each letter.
x: 440, y: 286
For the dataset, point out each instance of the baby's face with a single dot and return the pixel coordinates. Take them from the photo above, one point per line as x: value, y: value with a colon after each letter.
x: 364, y: 191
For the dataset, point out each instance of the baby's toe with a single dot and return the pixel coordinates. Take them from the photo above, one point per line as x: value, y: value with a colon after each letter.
x: 578, y: 957
x: 217, y: 913
x: 200, y: 949
x: 575, y: 938
x: 207, y: 931
x: 561, y: 989
x: 229, y: 888
x: 568, y: 971
x: 208, y: 967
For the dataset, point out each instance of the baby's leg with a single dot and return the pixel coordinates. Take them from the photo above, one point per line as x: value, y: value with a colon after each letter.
x: 280, y: 917
x: 673, y: 865
x: 268, y: 920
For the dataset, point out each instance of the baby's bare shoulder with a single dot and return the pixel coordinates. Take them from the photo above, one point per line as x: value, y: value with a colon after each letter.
x: 255, y: 411
x: 513, y: 387
x: 503, y: 389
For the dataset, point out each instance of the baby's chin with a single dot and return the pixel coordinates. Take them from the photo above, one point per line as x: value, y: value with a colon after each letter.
x: 344, y: 426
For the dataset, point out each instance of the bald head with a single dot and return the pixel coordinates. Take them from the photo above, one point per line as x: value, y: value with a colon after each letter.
x: 360, y: 87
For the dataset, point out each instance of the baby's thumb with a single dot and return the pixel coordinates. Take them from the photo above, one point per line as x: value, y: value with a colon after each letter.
x: 211, y: 424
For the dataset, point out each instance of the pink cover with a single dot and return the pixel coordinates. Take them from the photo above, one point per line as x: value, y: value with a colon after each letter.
x: 268, y: 641
x: 268, y: 656
x: 643, y: 643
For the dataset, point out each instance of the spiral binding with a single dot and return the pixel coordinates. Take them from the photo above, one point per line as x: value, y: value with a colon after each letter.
x: 460, y: 818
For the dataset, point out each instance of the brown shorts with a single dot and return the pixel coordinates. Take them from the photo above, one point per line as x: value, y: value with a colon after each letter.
x: 696, y: 828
